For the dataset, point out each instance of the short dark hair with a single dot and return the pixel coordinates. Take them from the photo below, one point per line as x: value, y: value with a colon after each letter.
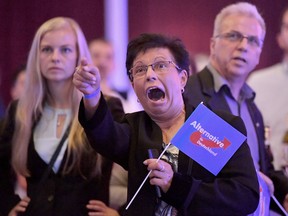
x: 147, y: 41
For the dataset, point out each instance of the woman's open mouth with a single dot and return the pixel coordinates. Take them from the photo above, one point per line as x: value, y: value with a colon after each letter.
x: 155, y: 94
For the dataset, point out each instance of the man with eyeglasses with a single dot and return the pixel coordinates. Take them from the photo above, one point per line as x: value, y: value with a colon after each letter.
x: 235, y: 49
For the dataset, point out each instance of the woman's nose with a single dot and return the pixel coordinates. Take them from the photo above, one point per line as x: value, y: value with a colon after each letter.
x: 150, y: 73
x: 55, y: 56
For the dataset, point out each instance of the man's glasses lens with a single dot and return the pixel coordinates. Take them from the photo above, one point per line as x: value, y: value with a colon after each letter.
x: 237, y: 36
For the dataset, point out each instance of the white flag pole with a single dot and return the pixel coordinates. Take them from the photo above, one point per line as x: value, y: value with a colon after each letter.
x: 279, y: 205
x: 147, y: 177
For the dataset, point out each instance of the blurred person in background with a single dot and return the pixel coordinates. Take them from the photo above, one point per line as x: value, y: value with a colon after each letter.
x: 270, y: 85
x: 18, y: 82
x: 103, y: 57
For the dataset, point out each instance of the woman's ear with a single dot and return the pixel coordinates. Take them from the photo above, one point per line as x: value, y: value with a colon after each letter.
x: 183, y: 78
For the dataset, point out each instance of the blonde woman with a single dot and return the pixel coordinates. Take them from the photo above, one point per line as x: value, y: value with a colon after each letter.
x: 78, y: 183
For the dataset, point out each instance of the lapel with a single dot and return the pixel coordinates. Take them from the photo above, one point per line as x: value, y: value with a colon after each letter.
x: 212, y: 99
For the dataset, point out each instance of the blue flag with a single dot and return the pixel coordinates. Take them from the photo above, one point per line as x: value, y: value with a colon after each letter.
x: 208, y: 139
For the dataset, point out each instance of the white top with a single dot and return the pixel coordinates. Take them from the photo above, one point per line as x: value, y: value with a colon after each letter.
x: 130, y: 104
x: 45, y: 139
x: 271, y: 87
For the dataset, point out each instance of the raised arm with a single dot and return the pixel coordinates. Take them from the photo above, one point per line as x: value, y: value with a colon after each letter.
x: 87, y: 80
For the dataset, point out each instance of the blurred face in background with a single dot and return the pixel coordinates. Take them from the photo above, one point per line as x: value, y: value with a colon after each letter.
x: 18, y: 86
x: 282, y: 37
x: 102, y: 54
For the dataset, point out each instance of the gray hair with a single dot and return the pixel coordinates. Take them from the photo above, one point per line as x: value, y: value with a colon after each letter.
x: 242, y: 8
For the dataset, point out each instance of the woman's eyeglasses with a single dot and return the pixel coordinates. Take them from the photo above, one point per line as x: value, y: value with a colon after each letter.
x: 158, y: 67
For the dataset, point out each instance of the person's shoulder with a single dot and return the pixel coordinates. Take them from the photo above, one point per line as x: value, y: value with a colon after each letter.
x: 11, y: 108
x: 137, y: 114
x: 113, y: 102
x: 139, y: 117
x: 116, y: 107
x: 264, y: 73
x: 234, y: 121
x: 204, y: 72
x: 195, y: 80
x: 111, y: 98
x: 269, y: 69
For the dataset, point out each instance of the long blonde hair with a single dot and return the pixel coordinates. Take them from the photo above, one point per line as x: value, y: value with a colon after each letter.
x: 30, y: 107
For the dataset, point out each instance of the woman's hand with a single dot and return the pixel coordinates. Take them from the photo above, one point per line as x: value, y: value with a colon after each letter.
x: 285, y: 203
x: 268, y: 182
x: 87, y: 80
x: 98, y: 208
x: 161, y: 174
x: 20, y: 207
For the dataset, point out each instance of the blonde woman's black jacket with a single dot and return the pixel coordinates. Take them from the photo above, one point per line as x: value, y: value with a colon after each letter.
x: 200, y: 87
x: 194, y: 190
x: 60, y: 194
